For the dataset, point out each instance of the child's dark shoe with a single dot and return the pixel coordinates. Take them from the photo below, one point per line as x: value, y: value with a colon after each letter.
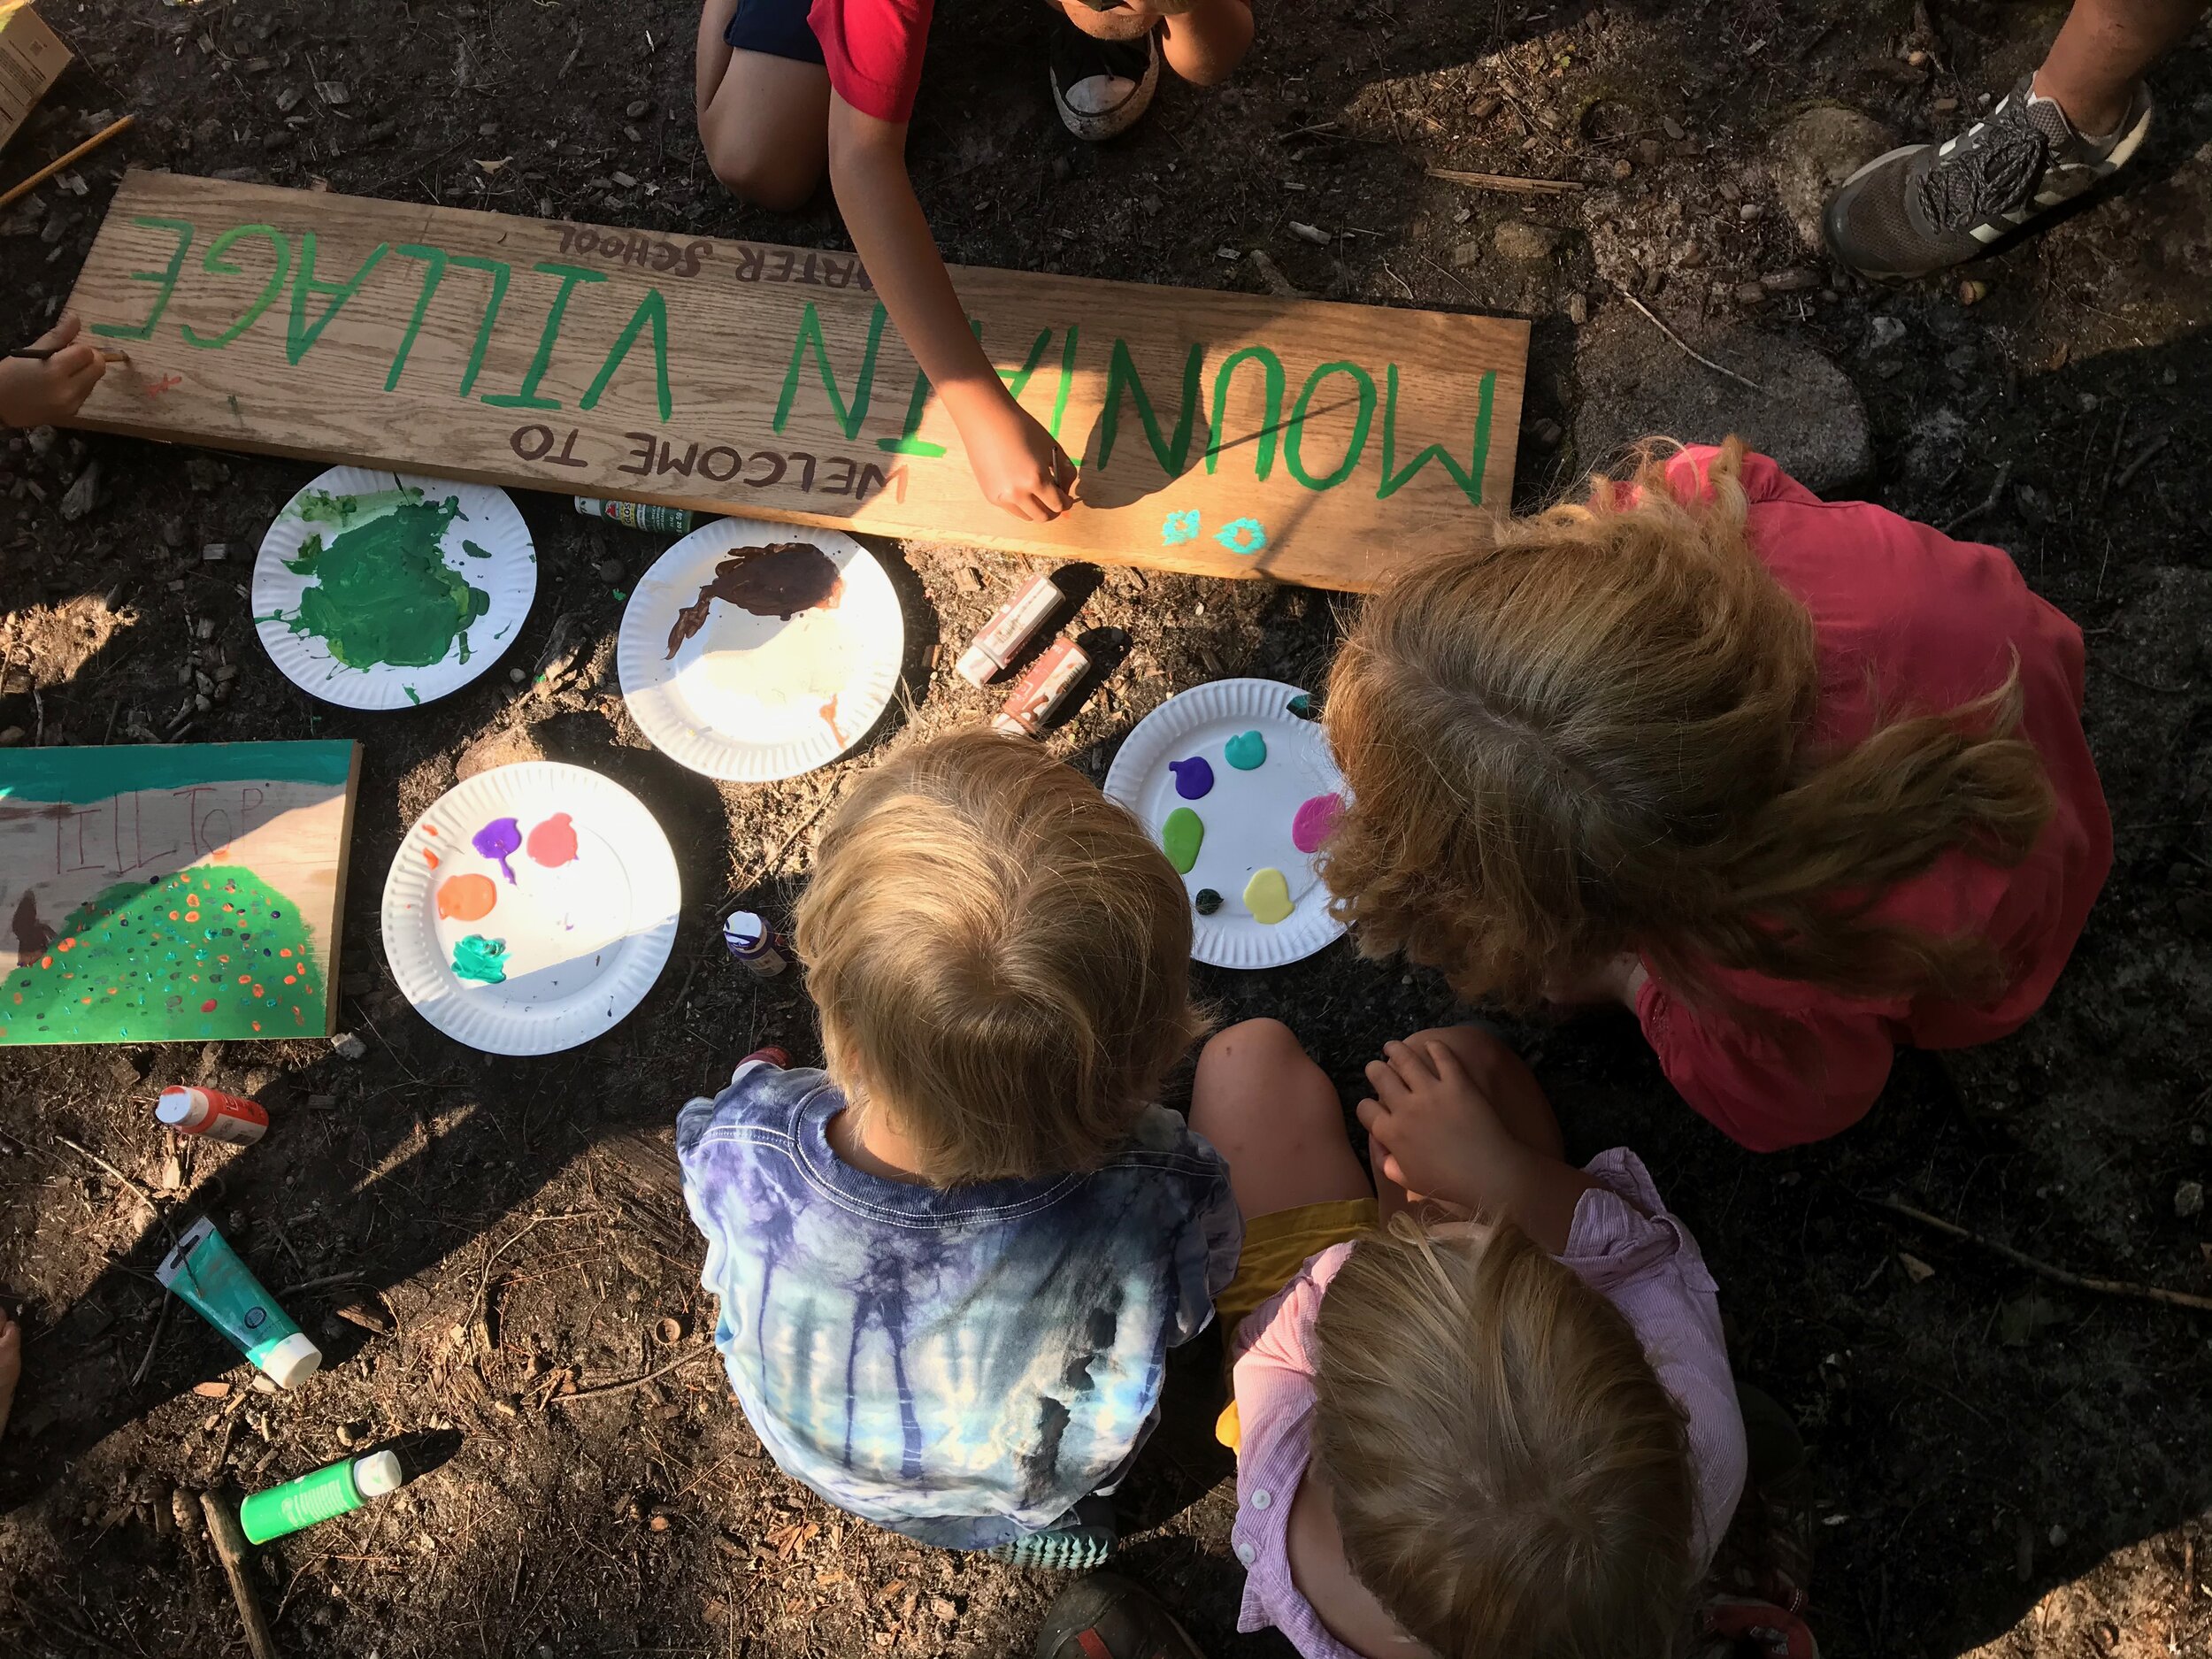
x: 1102, y: 88
x: 1919, y: 209
x: 1104, y: 1616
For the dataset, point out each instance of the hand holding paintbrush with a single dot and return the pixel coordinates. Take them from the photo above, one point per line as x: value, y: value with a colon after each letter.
x: 49, y: 380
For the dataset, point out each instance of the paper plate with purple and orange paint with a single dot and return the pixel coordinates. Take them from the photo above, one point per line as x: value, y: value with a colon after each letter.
x: 531, y: 908
x: 1235, y: 780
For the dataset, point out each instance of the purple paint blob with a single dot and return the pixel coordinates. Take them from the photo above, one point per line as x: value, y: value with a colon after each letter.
x: 1314, y: 820
x: 1194, y: 778
x: 499, y: 839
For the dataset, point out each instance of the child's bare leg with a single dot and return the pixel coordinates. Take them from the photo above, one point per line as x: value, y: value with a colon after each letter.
x: 1206, y: 43
x: 1276, y: 1118
x: 763, y: 120
x: 1505, y: 1081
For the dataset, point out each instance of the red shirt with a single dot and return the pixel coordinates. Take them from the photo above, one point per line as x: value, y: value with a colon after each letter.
x: 1908, y: 620
x: 872, y: 49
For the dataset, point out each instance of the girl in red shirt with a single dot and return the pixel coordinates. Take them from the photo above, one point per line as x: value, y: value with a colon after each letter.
x: 1795, y: 780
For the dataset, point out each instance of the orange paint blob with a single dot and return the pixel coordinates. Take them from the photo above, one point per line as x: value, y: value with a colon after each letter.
x: 66, y: 944
x: 286, y: 951
x: 467, y: 898
x: 430, y: 829
x: 430, y: 857
x: 45, y: 962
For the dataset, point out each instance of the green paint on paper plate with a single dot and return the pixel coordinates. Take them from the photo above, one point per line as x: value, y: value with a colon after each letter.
x: 475, y: 551
x: 477, y: 957
x: 319, y: 506
x: 203, y: 953
x: 384, y: 595
x: 1181, y: 836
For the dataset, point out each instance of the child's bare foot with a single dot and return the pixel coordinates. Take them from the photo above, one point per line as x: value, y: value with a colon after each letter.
x: 10, y: 1364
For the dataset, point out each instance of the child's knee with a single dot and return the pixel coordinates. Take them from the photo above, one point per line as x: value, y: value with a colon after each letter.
x: 778, y: 177
x: 1256, y: 1061
x: 1482, y: 1055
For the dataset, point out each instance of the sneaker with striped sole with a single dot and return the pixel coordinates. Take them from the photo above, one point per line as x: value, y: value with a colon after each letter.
x: 1920, y: 209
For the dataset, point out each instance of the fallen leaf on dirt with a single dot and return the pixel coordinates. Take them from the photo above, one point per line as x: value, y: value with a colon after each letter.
x: 211, y: 1390
x: 788, y: 1540
x: 1915, y: 1269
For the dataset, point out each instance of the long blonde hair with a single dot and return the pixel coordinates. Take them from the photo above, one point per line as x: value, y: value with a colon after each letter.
x: 1001, y: 956
x: 1593, y: 736
x: 1508, y: 1473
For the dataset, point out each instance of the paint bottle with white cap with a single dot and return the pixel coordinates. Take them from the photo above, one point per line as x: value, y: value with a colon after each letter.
x: 212, y: 1115
x: 753, y: 942
x: 1001, y: 640
x: 334, y: 1490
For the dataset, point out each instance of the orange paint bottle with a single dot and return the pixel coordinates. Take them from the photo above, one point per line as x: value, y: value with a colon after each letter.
x: 211, y: 1113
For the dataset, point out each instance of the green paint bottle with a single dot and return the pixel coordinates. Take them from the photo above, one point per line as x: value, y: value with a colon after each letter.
x: 639, y: 515
x: 316, y: 1497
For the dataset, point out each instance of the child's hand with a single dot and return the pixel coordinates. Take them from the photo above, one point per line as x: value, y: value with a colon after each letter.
x: 1017, y: 466
x: 1440, y: 1136
x: 37, y: 394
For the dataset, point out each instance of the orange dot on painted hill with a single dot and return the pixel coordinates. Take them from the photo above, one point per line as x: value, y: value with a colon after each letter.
x: 467, y: 898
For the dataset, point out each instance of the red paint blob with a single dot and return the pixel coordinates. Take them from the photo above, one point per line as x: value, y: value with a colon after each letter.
x: 208, y: 1007
x: 553, y: 843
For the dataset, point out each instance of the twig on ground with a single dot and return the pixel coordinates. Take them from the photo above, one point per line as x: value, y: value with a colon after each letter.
x: 479, y: 1328
x: 2057, y: 1275
x: 144, y: 1197
x: 230, y: 1549
x: 2141, y: 455
x: 153, y: 1343
x: 1508, y: 183
x: 1682, y: 347
x: 602, y: 1389
x: 1996, y: 491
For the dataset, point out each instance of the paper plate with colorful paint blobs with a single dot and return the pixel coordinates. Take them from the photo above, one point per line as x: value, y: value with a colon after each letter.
x: 381, y: 590
x: 531, y: 908
x: 1241, y: 790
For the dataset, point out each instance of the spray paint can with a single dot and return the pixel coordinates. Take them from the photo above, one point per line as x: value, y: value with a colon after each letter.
x: 1001, y: 640
x: 212, y: 1114
x: 1041, y: 690
x: 755, y: 944
x: 330, y: 1491
x: 639, y: 515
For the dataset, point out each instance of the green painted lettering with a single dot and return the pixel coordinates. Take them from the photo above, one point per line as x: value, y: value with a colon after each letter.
x: 166, y: 276
x: 527, y: 398
x: 502, y: 274
x: 1272, y: 366
x: 1470, y: 482
x: 849, y: 418
x: 654, y: 309
x: 433, y: 272
x: 280, y: 244
x: 302, y: 334
x: 1121, y: 372
x: 1067, y: 379
x: 1294, y: 443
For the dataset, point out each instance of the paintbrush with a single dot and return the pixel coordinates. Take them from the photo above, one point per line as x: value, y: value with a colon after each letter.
x: 40, y: 354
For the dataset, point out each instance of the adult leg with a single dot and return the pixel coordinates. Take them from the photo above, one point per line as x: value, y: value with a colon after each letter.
x: 764, y: 117
x: 1276, y: 1118
x: 2103, y: 51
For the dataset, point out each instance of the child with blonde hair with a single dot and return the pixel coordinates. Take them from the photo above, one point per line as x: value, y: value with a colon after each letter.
x: 1507, y: 1436
x: 1796, y: 782
x: 951, y: 1262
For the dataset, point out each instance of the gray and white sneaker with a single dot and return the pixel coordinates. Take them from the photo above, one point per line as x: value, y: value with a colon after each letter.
x: 1101, y: 87
x: 1919, y: 209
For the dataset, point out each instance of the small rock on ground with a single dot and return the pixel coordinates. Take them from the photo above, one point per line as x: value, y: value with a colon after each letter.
x: 1518, y: 239
x: 503, y: 748
x: 1814, y: 154
x: 1635, y: 383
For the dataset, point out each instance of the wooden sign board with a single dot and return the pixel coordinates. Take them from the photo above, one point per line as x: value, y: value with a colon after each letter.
x: 172, y: 894
x: 1219, y: 433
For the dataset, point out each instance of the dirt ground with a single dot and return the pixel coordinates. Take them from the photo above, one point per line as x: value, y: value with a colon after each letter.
x: 2006, y: 1466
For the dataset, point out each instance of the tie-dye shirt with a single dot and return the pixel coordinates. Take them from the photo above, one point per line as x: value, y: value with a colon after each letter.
x: 958, y: 1364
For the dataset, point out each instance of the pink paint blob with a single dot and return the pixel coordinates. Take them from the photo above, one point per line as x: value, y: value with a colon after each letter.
x: 1314, y: 821
x: 553, y: 843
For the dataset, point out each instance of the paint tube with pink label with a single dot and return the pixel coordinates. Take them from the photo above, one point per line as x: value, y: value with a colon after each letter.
x: 1041, y: 690
x: 1002, y: 637
x: 213, y: 1115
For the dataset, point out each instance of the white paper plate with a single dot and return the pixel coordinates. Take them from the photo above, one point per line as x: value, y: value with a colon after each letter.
x: 1248, y: 815
x: 751, y: 698
x: 583, y: 939
x: 503, y: 568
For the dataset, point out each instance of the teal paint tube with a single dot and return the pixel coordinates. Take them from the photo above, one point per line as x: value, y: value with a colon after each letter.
x: 207, y: 1274
x: 331, y: 1491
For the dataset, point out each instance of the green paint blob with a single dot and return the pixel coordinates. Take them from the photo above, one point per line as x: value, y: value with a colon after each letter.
x: 1247, y: 751
x: 319, y: 506
x: 477, y: 957
x: 475, y: 551
x: 130, y: 973
x: 384, y: 595
x: 1181, y: 836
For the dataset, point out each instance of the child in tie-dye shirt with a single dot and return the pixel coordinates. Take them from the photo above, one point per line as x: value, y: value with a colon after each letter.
x: 950, y: 1265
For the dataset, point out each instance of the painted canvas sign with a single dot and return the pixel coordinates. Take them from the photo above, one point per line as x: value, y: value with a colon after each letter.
x: 1229, y: 433
x: 172, y: 895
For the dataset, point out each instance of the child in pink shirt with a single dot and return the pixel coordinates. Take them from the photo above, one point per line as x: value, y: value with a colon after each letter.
x: 1514, y: 1433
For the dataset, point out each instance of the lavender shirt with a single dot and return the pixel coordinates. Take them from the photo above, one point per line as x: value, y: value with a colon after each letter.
x: 1626, y: 1246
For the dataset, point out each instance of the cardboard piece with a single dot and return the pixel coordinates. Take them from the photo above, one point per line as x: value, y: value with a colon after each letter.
x: 1228, y: 434
x: 32, y: 57
x: 174, y: 895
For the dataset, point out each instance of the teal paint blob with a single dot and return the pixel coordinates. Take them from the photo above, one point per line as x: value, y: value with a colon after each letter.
x: 383, y: 593
x: 481, y: 959
x: 1247, y: 751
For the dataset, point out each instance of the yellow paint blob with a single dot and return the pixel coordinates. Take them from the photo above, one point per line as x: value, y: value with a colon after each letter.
x: 1267, y: 896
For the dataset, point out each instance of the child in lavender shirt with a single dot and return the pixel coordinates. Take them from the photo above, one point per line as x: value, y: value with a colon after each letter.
x: 1513, y: 1433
